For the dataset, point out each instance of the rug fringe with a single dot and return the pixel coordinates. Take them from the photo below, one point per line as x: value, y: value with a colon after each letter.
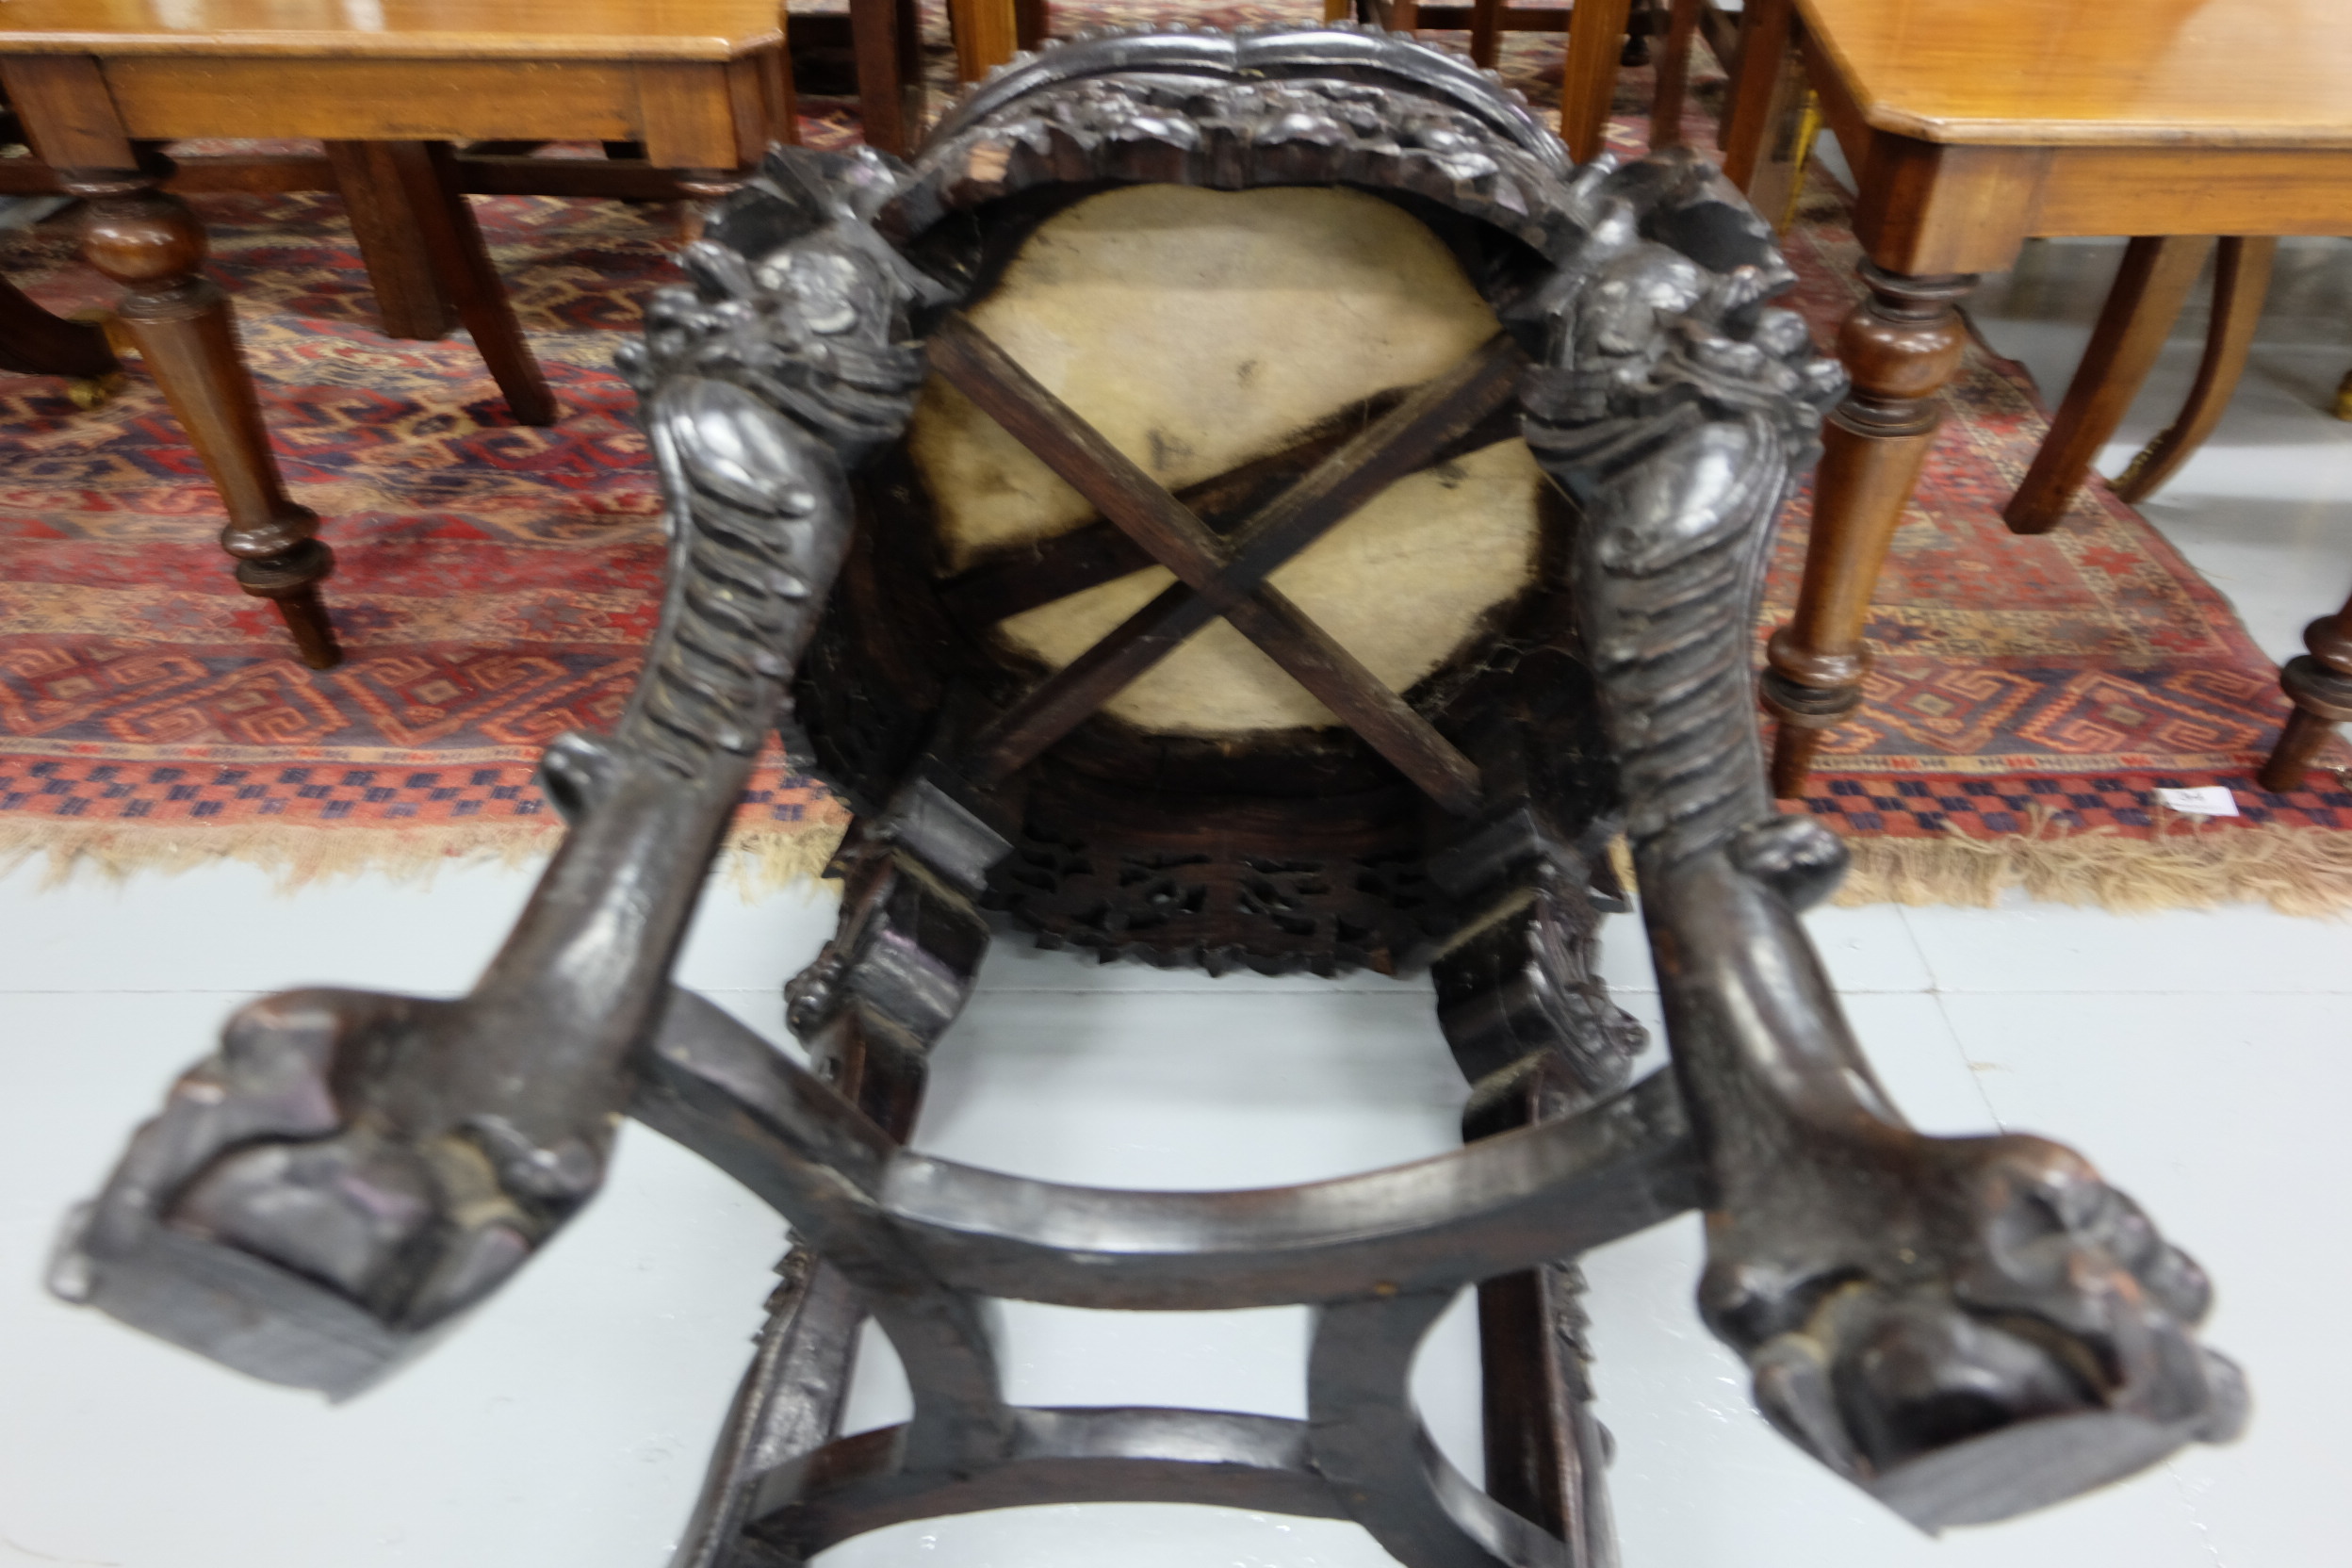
x: 2192, y: 863
x: 755, y: 864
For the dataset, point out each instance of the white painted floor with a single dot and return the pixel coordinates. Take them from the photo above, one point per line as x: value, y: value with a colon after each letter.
x: 2203, y: 1059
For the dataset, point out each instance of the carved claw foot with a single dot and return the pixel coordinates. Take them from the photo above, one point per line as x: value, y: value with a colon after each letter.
x: 315, y: 1197
x: 1990, y: 1329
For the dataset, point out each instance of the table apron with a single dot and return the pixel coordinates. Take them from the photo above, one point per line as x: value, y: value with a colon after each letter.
x: 1927, y: 208
x: 691, y: 114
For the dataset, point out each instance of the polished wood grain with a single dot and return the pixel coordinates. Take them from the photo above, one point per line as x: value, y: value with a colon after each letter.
x: 2192, y: 73
x: 398, y: 29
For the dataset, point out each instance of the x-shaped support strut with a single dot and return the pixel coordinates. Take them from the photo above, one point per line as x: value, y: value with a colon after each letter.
x: 1227, y: 578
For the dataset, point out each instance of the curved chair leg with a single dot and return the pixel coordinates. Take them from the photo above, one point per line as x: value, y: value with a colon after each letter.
x: 1534, y: 1030
x: 896, y: 973
x: 2320, y: 685
x: 2241, y: 282
x: 2152, y: 286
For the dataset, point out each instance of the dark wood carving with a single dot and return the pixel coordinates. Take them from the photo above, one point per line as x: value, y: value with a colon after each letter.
x: 1965, y: 1328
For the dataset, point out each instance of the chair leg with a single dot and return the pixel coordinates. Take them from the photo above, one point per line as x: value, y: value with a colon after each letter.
x: 445, y: 219
x: 1767, y: 86
x: 2343, y: 396
x: 1596, y: 31
x: 1646, y: 17
x: 2319, y: 684
x: 886, y: 39
x: 1674, y: 74
x: 2152, y: 286
x: 898, y: 969
x: 1033, y: 22
x: 35, y: 343
x: 411, y: 301
x: 2241, y: 282
x: 1486, y: 32
x: 986, y: 35
x: 1534, y: 1030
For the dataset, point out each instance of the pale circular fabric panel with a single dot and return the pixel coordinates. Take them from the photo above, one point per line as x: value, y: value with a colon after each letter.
x: 1200, y: 329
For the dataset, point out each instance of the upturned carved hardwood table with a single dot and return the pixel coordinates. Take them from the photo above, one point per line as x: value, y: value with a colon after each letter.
x: 700, y: 83
x: 1973, y: 125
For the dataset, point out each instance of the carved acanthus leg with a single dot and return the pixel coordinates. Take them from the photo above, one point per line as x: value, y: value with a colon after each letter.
x: 2320, y: 685
x: 150, y: 244
x: 1534, y: 1030
x: 869, y: 1009
x: 1901, y: 346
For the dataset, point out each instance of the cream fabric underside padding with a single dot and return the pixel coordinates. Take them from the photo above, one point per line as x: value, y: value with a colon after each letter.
x: 1200, y: 329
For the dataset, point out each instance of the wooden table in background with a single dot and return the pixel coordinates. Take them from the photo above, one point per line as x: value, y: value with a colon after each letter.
x: 702, y: 84
x: 1971, y: 126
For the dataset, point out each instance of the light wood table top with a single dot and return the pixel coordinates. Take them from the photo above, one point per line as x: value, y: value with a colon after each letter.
x: 2273, y: 73
x: 574, y: 29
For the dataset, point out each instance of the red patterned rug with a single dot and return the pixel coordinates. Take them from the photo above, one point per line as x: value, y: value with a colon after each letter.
x: 496, y: 582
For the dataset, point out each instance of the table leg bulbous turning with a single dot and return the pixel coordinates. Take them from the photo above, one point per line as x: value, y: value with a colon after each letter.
x: 2320, y: 685
x: 149, y: 242
x: 1901, y: 345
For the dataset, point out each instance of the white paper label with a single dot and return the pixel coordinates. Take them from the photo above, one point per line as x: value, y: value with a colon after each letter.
x: 2212, y: 800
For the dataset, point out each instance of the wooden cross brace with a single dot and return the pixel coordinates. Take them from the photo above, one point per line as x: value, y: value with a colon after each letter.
x: 1218, y: 576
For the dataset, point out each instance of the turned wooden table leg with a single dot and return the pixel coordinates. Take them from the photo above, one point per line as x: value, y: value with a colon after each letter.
x: 2320, y: 685
x: 1901, y: 345
x: 149, y: 242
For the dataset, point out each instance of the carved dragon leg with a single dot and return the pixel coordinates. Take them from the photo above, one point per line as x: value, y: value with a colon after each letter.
x: 1965, y: 1327
x: 351, y: 1171
x: 1534, y: 1030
